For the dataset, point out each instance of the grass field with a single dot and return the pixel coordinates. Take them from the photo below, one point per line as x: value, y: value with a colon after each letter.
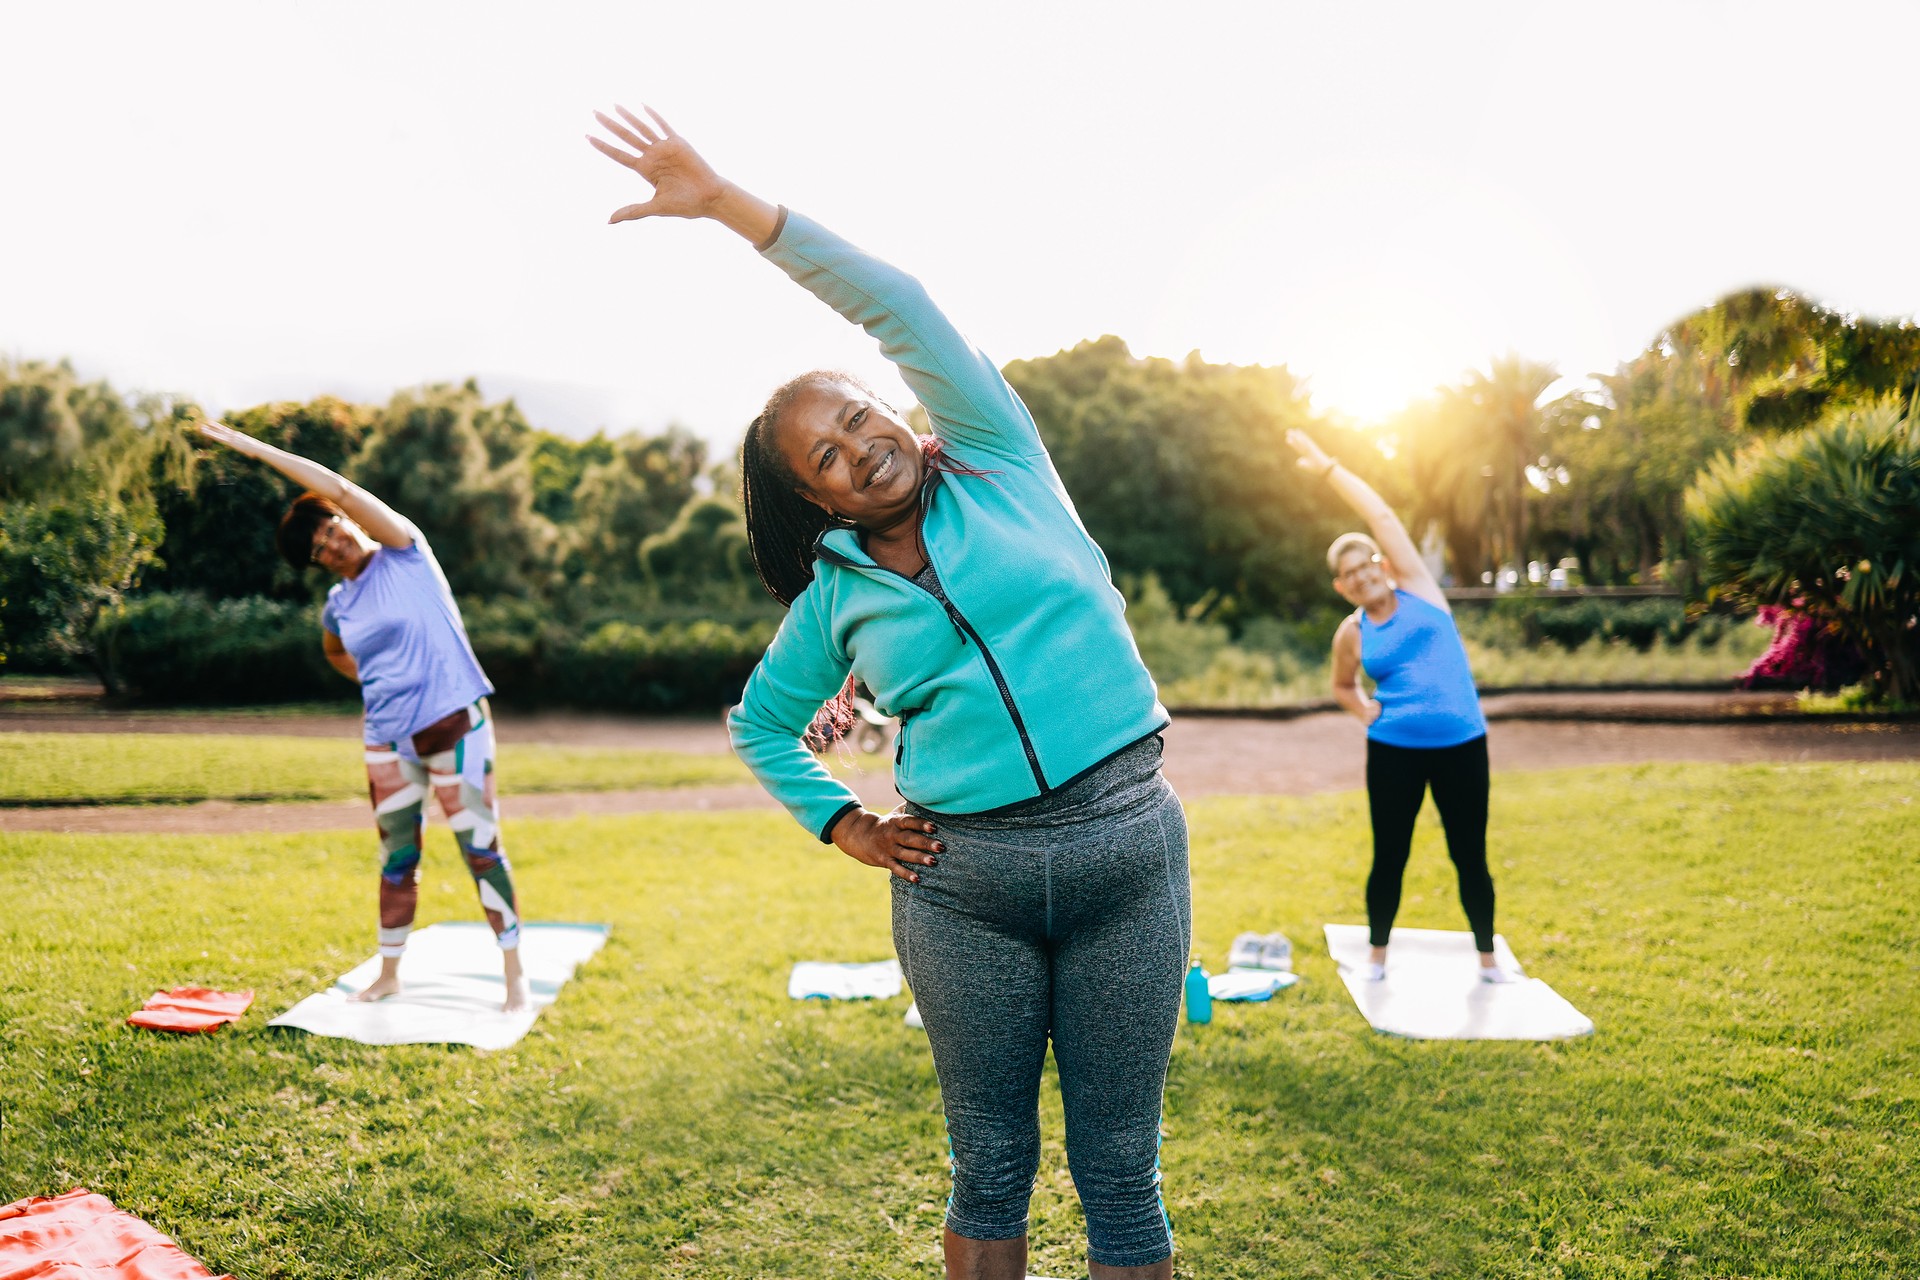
x: 147, y: 768
x: 1743, y: 938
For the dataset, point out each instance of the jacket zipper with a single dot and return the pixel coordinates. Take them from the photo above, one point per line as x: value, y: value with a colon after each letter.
x: 965, y: 628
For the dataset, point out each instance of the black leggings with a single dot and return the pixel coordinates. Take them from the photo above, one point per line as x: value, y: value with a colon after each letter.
x: 1397, y: 781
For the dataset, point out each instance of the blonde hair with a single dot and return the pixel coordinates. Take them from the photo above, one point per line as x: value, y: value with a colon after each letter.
x: 1350, y: 542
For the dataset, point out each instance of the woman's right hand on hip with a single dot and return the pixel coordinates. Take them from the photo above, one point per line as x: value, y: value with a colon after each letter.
x: 897, y: 842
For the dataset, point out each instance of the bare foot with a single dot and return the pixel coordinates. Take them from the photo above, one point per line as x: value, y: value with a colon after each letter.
x: 518, y: 998
x: 386, y: 985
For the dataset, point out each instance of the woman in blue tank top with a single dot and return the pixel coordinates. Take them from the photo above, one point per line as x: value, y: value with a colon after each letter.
x: 1424, y: 724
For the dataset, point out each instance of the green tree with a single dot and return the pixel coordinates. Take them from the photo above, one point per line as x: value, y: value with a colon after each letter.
x: 221, y: 512
x: 1473, y: 456
x: 558, y: 463
x: 426, y: 458
x: 702, y: 555
x: 78, y: 524
x: 1629, y: 451
x: 1180, y: 470
x: 64, y: 561
x: 40, y: 431
x: 1825, y: 521
x: 628, y: 498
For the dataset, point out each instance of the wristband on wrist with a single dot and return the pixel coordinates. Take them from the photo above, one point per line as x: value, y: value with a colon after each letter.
x: 1328, y: 469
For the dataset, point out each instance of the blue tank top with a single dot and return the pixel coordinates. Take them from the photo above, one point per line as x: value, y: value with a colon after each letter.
x: 1425, y: 688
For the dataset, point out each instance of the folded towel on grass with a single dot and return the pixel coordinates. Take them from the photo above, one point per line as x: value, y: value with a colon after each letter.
x: 80, y: 1235
x: 819, y: 980
x: 1249, y: 984
x: 189, y: 1009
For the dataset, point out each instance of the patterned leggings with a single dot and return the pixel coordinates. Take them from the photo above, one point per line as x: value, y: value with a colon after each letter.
x: 453, y: 757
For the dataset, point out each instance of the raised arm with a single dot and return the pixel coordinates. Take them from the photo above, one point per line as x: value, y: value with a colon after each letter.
x: 381, y: 522
x: 1410, y: 572
x: 960, y: 387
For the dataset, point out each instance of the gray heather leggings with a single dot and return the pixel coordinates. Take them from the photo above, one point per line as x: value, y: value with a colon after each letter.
x: 1068, y: 918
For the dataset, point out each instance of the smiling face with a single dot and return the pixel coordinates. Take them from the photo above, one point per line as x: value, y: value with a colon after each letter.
x: 851, y: 456
x: 341, y: 548
x: 1362, y: 579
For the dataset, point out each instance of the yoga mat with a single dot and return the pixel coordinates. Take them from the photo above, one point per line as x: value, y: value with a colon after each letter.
x: 1432, y: 991
x: 451, y: 988
x: 81, y: 1234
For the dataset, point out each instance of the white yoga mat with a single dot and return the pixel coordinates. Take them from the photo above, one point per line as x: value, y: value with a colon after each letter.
x: 1433, y: 992
x: 451, y: 988
x: 821, y: 980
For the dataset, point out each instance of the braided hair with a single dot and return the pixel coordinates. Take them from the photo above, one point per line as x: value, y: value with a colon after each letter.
x: 782, y: 526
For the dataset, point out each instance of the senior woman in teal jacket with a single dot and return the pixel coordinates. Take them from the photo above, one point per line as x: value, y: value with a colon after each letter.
x: 1040, y: 862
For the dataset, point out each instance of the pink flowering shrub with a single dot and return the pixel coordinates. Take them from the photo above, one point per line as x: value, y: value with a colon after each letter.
x: 1807, y: 653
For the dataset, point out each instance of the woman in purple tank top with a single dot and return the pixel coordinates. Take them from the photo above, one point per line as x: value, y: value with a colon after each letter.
x: 391, y: 625
x: 1424, y: 725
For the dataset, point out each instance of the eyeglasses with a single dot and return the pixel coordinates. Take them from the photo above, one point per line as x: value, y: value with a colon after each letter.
x: 320, y: 539
x: 1353, y: 571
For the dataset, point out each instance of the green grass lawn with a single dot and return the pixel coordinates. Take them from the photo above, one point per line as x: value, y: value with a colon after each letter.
x: 137, y: 768
x: 1743, y: 938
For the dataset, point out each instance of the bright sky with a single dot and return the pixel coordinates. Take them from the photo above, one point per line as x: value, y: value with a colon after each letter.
x: 265, y: 200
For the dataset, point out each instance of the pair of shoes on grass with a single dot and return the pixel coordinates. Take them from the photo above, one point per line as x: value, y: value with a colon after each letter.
x: 1269, y: 951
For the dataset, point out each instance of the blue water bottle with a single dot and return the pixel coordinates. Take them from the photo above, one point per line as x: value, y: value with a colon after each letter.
x: 1199, y: 999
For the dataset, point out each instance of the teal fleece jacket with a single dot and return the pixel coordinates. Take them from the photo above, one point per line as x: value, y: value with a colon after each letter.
x: 1031, y: 676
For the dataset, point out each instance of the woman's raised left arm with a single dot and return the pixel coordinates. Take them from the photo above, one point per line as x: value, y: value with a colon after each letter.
x: 958, y: 385
x: 1403, y: 557
x: 382, y: 523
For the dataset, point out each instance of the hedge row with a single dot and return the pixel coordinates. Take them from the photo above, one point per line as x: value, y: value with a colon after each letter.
x: 1530, y: 619
x: 186, y: 649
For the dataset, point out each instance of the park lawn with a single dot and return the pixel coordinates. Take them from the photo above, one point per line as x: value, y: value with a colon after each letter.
x: 144, y: 768
x: 1742, y: 937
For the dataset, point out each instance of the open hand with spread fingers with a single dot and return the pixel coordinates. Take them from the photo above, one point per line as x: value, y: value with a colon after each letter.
x: 1312, y: 457
x: 684, y: 184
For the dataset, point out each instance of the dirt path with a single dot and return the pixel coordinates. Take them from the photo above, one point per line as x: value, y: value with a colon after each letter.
x: 1205, y: 755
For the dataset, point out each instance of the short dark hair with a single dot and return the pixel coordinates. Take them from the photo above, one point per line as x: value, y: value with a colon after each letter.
x: 294, y: 537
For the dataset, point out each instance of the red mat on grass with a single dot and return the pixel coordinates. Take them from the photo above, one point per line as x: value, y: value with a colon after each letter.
x: 190, y: 1009
x: 81, y: 1235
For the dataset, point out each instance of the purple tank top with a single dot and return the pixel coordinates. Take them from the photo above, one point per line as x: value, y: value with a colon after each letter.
x: 399, y: 621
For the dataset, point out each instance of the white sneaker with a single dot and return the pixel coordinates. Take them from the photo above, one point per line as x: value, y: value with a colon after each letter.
x: 1497, y: 976
x: 1376, y: 973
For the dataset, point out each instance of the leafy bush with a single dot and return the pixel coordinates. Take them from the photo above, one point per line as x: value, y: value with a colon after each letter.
x: 1824, y: 521
x: 186, y: 648
x: 61, y: 564
x: 1175, y: 643
x: 678, y: 666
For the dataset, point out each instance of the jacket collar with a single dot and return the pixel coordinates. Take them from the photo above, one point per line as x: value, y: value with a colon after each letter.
x: 840, y: 544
